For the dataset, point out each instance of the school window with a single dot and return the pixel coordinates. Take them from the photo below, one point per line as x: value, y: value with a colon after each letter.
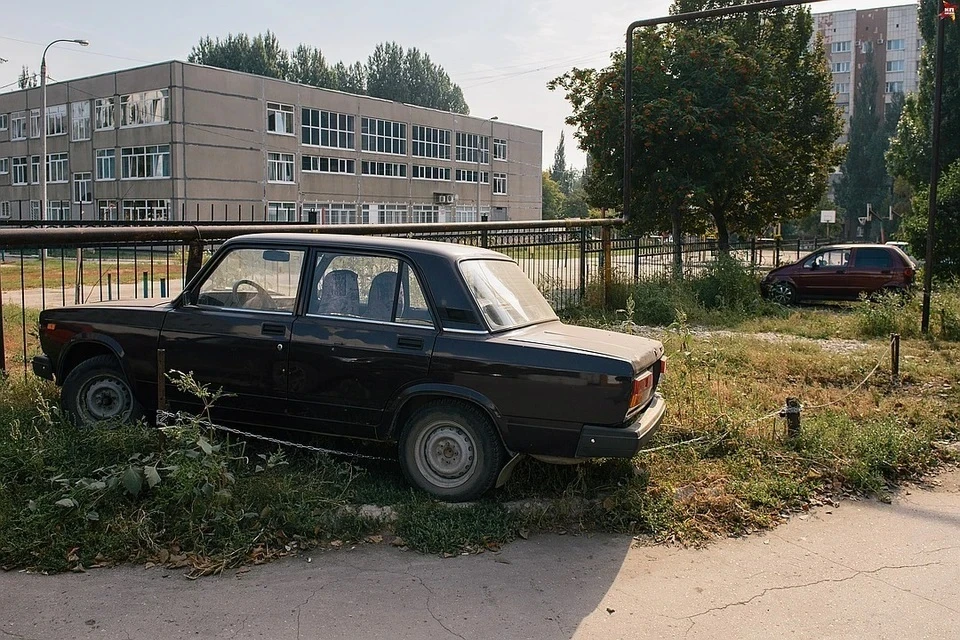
x: 18, y: 126
x: 840, y: 67
x: 465, y: 213
x: 148, y: 107
x: 841, y: 87
x: 57, y: 167
x: 500, y: 184
x: 280, y: 167
x: 421, y: 172
x: 467, y: 175
x: 384, y: 169
x: 106, y: 209
x: 281, y: 212
x: 56, y: 120
x: 103, y: 113
x: 338, y: 213
x: 320, y: 164
x: 280, y: 118
x: 499, y: 149
x: 106, y: 164
x: 840, y: 47
x: 894, y: 65
x: 326, y: 129
x: 80, y: 120
x: 19, y: 176
x: 389, y: 213
x: 4, y: 166
x: 144, y: 210
x: 894, y: 87
x: 82, y: 189
x: 4, y: 210
x: 383, y: 136
x: 895, y: 45
x: 145, y: 162
x: 3, y: 122
x: 58, y: 210
x: 469, y: 145
x: 35, y: 123
x: 428, y: 142
x: 423, y: 213
x: 34, y: 169
x: 34, y: 209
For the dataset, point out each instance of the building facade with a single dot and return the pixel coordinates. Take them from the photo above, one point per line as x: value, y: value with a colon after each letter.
x: 181, y: 142
x: 890, y: 34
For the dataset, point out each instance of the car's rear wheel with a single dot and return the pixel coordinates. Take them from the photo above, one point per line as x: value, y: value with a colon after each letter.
x: 451, y: 450
x: 96, y: 394
x: 782, y: 293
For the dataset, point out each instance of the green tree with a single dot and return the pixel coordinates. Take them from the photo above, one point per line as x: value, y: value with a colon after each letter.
x: 946, y: 246
x: 734, y: 124
x: 308, y: 66
x: 261, y: 54
x: 558, y: 170
x: 26, y: 80
x: 864, y: 179
x: 909, y: 155
x: 575, y: 205
x: 552, y: 198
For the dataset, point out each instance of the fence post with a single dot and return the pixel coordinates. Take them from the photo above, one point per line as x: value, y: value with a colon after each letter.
x: 636, y: 259
x: 895, y: 358
x: 776, y: 251
x: 109, y: 286
x: 484, y: 242
x: 583, y: 264
x: 3, y: 352
x: 792, y: 413
x: 607, y: 265
x: 194, y: 259
x: 78, y: 287
x: 753, y: 252
x: 146, y: 290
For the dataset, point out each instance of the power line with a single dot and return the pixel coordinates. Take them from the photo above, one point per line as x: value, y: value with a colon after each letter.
x: 84, y: 51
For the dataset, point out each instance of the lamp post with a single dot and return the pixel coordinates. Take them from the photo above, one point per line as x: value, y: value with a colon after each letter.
x: 489, y: 142
x: 43, y: 123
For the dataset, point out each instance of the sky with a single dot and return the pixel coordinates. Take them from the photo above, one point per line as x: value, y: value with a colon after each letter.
x: 502, y: 53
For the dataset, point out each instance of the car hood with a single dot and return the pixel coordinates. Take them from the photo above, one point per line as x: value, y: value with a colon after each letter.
x: 642, y: 353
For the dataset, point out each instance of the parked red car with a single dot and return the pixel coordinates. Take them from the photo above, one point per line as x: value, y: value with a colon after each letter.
x: 841, y: 272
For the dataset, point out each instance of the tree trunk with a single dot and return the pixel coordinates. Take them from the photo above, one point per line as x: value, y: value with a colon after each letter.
x: 677, y: 230
x: 723, y: 232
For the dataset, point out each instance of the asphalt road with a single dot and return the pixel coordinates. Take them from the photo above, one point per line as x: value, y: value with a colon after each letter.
x: 863, y: 570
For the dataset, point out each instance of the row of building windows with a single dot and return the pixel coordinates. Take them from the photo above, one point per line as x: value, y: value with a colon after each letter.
x: 139, y: 210
x: 845, y: 46
x: 136, y: 163
x: 136, y: 109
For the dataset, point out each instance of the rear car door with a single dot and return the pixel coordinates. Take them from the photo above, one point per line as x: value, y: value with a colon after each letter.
x: 232, y: 332
x: 367, y: 333
x: 872, y: 269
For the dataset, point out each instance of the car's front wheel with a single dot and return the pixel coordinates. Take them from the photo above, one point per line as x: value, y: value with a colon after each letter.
x: 782, y: 293
x: 451, y: 450
x: 96, y: 394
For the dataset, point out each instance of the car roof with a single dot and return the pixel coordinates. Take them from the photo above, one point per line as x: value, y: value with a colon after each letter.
x: 448, y: 250
x: 857, y: 246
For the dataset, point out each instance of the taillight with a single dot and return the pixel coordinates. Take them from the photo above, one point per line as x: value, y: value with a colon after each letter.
x: 642, y: 386
x: 663, y: 365
x: 908, y: 273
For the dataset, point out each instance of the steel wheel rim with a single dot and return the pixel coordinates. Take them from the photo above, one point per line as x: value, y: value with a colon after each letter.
x: 446, y: 455
x: 781, y: 293
x: 103, y: 398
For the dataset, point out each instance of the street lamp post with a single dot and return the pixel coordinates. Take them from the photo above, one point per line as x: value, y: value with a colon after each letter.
x: 43, y: 123
x: 489, y: 142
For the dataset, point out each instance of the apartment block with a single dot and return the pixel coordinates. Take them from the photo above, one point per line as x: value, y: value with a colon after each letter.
x: 892, y: 36
x: 176, y: 141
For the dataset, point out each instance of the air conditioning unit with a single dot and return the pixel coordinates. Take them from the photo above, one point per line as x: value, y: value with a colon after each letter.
x: 444, y: 198
x: 879, y: 40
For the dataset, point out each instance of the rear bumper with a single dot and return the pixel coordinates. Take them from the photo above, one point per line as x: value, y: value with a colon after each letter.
x: 622, y: 442
x: 43, y: 367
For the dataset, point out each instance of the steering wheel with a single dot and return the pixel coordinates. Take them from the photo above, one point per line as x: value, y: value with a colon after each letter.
x: 262, y: 299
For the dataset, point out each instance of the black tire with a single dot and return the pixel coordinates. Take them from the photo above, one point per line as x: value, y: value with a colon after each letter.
x: 96, y: 394
x: 782, y: 293
x: 451, y: 450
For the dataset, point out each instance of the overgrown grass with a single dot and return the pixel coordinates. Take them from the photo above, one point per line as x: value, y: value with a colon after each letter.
x: 71, y: 498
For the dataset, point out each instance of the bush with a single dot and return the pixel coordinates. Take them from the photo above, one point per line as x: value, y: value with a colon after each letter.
x: 887, y: 313
x: 728, y: 285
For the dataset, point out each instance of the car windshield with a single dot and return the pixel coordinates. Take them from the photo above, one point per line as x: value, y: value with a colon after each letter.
x: 505, y: 295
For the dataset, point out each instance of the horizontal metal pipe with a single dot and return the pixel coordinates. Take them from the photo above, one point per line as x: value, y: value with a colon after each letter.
x: 83, y: 236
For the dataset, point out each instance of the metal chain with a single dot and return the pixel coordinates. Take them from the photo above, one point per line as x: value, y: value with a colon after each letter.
x: 164, y: 416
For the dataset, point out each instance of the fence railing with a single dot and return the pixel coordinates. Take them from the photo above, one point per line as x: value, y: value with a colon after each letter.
x: 567, y: 259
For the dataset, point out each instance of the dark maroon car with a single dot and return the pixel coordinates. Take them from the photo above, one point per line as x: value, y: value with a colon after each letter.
x: 448, y: 350
x: 841, y: 272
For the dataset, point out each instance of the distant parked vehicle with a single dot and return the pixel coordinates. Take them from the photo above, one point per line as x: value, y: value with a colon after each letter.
x: 841, y: 272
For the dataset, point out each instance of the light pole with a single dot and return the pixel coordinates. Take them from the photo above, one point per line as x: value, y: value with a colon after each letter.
x: 43, y: 123
x: 489, y: 142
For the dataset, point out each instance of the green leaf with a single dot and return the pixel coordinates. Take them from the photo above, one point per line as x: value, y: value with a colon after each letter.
x: 93, y: 516
x: 153, y: 478
x: 68, y: 503
x: 207, y: 449
x: 133, y: 481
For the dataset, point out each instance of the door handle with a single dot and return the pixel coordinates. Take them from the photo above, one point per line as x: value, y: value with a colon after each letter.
x: 408, y: 342
x: 885, y: 272
x: 271, y: 329
x: 841, y: 271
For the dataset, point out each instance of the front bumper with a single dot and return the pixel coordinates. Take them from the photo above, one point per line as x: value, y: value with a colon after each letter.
x: 43, y: 367
x: 622, y: 442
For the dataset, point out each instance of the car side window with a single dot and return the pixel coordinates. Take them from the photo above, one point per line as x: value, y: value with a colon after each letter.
x: 254, y: 279
x: 368, y: 287
x: 834, y: 258
x: 873, y: 259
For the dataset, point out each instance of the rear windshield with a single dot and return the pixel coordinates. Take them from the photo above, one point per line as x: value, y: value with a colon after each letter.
x: 504, y: 294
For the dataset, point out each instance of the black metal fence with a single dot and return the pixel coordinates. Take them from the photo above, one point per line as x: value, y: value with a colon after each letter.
x: 49, y: 266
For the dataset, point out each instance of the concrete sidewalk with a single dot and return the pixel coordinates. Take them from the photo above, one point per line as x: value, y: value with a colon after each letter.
x: 863, y: 570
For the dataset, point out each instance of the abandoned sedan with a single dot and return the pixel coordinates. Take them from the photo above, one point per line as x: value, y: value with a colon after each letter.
x: 448, y: 350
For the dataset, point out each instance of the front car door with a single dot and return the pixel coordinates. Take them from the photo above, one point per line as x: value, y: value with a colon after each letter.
x: 823, y: 274
x: 232, y: 332
x: 367, y: 333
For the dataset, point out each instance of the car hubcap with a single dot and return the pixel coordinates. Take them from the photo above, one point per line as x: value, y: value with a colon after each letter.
x: 105, y: 398
x: 446, y: 455
x: 781, y: 293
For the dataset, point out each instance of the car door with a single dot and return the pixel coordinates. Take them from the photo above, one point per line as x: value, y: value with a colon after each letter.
x: 872, y: 269
x: 823, y: 274
x: 232, y: 332
x: 367, y: 333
